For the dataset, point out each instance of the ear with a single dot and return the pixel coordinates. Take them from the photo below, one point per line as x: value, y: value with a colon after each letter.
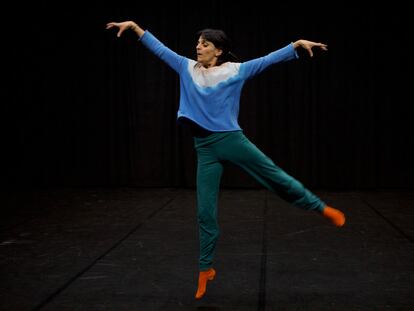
x: 219, y: 52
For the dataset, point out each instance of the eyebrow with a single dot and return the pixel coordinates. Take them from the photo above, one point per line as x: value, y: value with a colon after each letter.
x: 203, y: 40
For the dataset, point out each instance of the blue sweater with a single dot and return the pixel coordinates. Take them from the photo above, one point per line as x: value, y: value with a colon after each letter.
x: 211, y: 96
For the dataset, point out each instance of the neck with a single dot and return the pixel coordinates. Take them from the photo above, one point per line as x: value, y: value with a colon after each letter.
x: 210, y: 64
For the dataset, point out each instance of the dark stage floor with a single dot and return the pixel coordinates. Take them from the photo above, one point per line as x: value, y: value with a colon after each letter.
x: 137, y: 249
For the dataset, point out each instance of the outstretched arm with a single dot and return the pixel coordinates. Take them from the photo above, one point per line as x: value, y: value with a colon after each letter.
x: 174, y: 60
x: 253, y: 67
x: 308, y: 45
x: 122, y: 26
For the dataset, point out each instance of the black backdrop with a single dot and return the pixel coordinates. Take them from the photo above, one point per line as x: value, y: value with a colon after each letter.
x: 81, y: 107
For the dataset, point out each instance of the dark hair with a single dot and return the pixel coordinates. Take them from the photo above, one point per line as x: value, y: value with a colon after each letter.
x: 220, y: 40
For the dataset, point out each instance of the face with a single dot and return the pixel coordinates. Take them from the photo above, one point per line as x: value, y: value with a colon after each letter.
x: 207, y: 53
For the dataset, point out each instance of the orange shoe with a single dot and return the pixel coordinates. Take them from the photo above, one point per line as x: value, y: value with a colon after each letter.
x: 203, y: 277
x: 334, y: 215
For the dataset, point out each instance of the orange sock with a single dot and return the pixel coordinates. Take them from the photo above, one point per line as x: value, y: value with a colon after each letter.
x: 203, y: 277
x: 334, y: 215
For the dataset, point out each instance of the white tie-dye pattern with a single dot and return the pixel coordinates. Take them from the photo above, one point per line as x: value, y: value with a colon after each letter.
x: 208, y: 77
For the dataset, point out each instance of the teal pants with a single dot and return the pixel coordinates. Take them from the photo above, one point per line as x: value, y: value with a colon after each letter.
x: 234, y: 147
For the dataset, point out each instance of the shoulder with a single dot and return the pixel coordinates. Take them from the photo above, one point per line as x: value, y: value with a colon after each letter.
x: 228, y: 68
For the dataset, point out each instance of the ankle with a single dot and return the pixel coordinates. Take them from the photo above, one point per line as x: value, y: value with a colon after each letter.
x: 203, y: 278
x: 334, y: 215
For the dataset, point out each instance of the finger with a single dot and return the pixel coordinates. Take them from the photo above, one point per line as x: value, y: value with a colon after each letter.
x: 323, y: 46
x: 310, y: 52
x: 119, y: 33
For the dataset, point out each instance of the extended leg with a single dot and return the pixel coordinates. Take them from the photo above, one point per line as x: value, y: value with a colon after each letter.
x: 209, y: 173
x: 242, y: 152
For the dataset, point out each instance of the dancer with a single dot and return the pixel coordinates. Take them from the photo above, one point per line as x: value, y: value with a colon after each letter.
x: 210, y: 89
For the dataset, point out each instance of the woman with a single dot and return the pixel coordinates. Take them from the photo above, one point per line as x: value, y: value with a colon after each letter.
x: 209, y: 106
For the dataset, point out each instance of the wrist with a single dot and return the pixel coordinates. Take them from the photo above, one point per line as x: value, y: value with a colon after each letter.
x: 296, y: 44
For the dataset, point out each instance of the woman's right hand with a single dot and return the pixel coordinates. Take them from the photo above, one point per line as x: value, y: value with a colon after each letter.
x: 122, y: 26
